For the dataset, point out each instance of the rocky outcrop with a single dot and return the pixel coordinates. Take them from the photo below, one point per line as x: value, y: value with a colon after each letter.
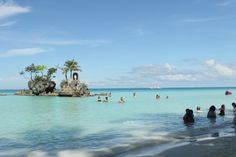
x: 29, y: 93
x: 43, y: 86
x: 39, y: 87
x: 74, y: 89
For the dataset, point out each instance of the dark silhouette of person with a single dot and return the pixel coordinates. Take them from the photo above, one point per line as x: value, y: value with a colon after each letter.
x: 222, y: 110
x: 212, y: 112
x: 188, y: 117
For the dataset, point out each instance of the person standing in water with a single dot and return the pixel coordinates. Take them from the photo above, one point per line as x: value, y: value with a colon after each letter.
x: 99, y: 99
x: 106, y: 99
x: 188, y: 117
x: 222, y: 110
x: 212, y: 112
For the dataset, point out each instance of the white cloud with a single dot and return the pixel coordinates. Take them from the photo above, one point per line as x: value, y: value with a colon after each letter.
x: 52, y: 37
x: 22, y: 52
x: 195, y: 20
x: 169, y: 67
x: 9, y: 23
x: 150, y: 70
x: 137, y: 31
x: 226, y: 3
x: 219, y: 69
x: 82, y: 42
x: 10, y: 8
x: 149, y: 76
x: 201, y: 73
x: 179, y: 77
x: 140, y: 32
x: 210, y: 62
x: 163, y: 72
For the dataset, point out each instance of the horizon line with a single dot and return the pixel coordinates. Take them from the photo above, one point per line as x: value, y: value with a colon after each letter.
x: 104, y: 88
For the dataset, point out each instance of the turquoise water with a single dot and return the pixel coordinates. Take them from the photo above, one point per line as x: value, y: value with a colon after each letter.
x: 54, y: 126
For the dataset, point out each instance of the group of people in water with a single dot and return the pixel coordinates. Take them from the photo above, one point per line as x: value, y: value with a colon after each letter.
x: 121, y: 101
x: 189, y: 116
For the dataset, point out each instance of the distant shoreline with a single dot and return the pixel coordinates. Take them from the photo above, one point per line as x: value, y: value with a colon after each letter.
x: 143, y: 88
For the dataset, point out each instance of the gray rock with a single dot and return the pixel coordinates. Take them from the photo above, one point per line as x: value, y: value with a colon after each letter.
x: 43, y: 86
x: 75, y: 89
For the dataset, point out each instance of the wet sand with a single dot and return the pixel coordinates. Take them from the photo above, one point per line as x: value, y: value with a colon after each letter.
x: 219, y: 147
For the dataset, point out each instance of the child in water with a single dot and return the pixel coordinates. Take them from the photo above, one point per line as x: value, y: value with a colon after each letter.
x: 99, y: 99
x: 198, y: 109
x: 222, y: 110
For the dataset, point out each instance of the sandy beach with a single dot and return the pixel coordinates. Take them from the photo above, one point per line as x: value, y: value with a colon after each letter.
x: 219, y: 147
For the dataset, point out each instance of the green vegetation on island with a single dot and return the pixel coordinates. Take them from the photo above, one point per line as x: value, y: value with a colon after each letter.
x: 41, y: 80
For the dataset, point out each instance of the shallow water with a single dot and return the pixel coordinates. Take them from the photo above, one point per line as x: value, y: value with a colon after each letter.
x: 56, y: 126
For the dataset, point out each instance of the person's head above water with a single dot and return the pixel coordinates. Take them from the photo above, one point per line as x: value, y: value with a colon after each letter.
x: 187, y: 110
x: 234, y: 104
x: 212, y: 108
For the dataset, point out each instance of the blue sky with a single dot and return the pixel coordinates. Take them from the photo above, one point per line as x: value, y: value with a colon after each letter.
x: 122, y: 43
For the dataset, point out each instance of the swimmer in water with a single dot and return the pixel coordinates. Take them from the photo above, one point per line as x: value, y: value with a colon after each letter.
x: 121, y: 101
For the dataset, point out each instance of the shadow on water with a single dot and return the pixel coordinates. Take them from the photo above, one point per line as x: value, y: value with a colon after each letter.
x: 45, y: 140
x: 57, y: 139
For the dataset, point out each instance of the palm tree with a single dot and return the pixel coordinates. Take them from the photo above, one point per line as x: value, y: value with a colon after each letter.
x: 65, y: 71
x: 40, y: 68
x: 31, y: 69
x: 50, y: 73
x: 72, y: 65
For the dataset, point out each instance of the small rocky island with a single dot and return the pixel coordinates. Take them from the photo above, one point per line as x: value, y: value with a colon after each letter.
x: 42, y: 84
x: 73, y: 87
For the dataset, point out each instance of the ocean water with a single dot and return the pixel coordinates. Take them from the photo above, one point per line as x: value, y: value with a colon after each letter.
x: 60, y: 126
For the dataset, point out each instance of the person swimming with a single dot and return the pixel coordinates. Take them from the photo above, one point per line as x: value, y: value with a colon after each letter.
x: 198, y: 109
x: 157, y: 96
x: 121, y: 101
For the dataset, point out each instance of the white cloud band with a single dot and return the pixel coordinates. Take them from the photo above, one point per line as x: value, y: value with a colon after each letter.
x: 9, y: 8
x: 22, y: 52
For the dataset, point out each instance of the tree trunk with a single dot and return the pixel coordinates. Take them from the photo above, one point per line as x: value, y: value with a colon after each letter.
x: 71, y: 74
x: 66, y: 78
x: 31, y: 77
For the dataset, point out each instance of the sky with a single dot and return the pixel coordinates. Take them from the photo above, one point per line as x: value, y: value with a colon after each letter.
x: 121, y: 43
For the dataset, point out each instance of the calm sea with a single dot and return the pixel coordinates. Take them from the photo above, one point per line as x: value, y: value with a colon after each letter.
x: 59, y: 126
